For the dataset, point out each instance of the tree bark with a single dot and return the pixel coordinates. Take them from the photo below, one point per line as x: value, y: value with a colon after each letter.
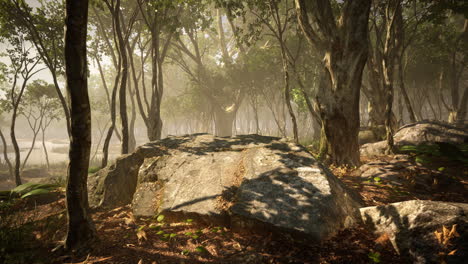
x: 109, y: 100
x: 5, y: 155
x: 123, y: 81
x: 46, y: 154
x: 81, y: 232
x: 14, y: 142
x: 404, y: 93
x: 343, y: 41
x: 223, y: 122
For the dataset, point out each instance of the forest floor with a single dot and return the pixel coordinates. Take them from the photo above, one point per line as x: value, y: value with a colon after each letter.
x: 124, y: 239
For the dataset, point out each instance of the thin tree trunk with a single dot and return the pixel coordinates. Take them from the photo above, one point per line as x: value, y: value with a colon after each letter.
x: 5, y: 155
x: 409, y: 107
x: 287, y: 94
x: 33, y: 143
x: 81, y: 232
x: 14, y: 142
x: 45, y: 149
x: 109, y: 100
x: 123, y: 82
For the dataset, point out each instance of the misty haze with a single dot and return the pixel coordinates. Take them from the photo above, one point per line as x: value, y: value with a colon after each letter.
x: 229, y: 131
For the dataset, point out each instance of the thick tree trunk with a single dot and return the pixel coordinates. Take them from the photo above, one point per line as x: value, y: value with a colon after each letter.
x: 344, y: 42
x: 339, y: 105
x: 81, y: 232
x: 223, y: 122
x: 154, y: 127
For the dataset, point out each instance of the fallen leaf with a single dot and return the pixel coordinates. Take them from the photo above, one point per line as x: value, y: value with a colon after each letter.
x: 438, y: 236
x: 453, y: 231
x: 382, y: 239
x: 141, y: 234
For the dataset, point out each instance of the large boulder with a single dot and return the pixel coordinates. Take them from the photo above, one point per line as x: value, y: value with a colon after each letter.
x: 247, y: 182
x: 115, y: 185
x: 412, y: 228
x: 424, y: 132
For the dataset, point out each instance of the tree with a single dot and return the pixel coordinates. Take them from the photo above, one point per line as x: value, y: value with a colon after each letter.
x: 40, y: 107
x: 3, y: 70
x: 22, y: 69
x: 343, y: 42
x: 222, y: 78
x: 277, y: 19
x: 81, y: 231
x: 161, y: 21
x: 40, y: 26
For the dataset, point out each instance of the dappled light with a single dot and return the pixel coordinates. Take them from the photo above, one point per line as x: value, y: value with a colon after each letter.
x: 233, y: 131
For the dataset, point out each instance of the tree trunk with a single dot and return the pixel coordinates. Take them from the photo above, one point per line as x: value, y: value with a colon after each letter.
x: 81, y: 232
x: 287, y: 94
x: 344, y: 43
x: 33, y: 143
x: 131, y: 129
x: 5, y: 155
x: 154, y: 116
x: 45, y: 149
x: 223, y: 122
x: 124, y: 74
x: 14, y: 142
x: 109, y: 100
x: 409, y: 107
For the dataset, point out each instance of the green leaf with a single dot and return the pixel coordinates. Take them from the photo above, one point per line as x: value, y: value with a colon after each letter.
x: 160, y: 232
x: 36, y: 192
x: 374, y: 256
x: 172, y: 235
x: 185, y: 252
x: 189, y: 220
x: 188, y: 233
x: 377, y: 179
x: 160, y: 218
x: 200, y: 249
x: 441, y: 169
x: 422, y: 159
x: 155, y: 227
x: 28, y: 187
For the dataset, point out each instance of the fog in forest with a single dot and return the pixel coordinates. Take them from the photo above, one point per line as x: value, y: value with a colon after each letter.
x: 232, y: 131
x: 206, y: 70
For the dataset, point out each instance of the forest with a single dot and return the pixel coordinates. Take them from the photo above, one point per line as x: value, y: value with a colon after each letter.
x: 229, y: 131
